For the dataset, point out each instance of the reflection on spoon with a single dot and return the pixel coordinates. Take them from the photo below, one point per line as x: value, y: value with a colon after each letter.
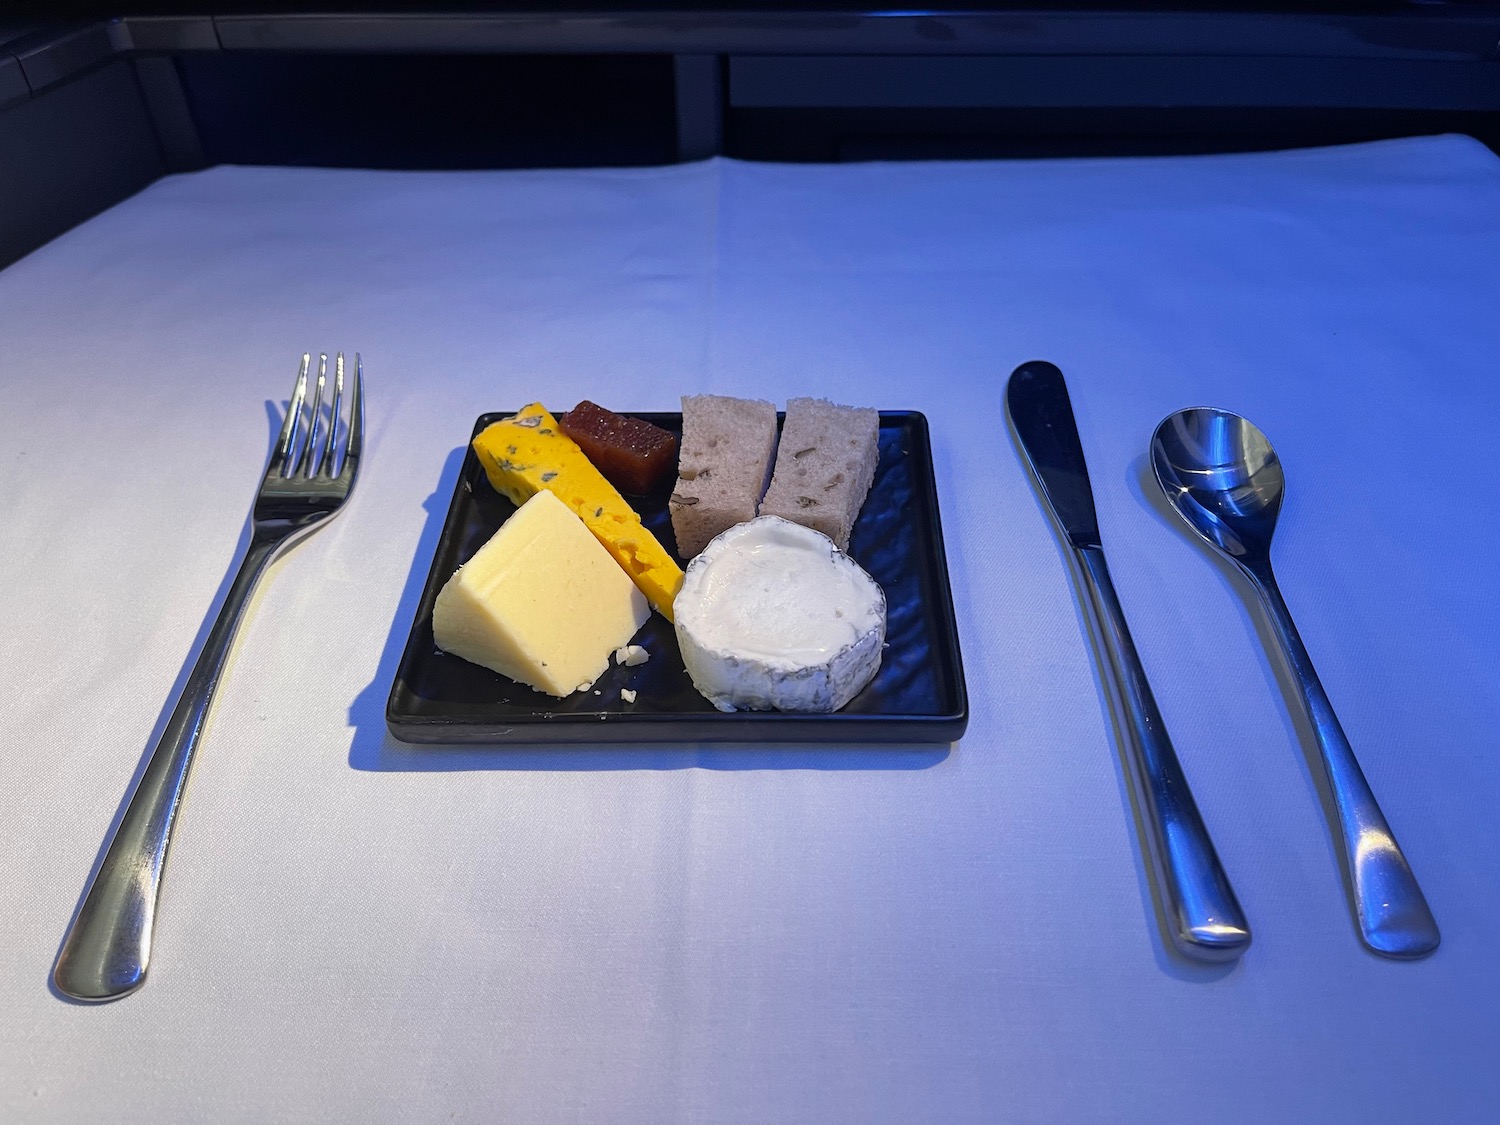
x: 1225, y: 480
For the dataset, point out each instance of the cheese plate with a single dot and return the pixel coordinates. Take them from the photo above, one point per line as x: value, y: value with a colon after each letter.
x: 918, y: 695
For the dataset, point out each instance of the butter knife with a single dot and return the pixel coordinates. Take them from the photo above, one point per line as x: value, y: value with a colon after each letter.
x: 1203, y: 918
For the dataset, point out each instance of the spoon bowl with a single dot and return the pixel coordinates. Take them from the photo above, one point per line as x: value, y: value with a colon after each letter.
x: 1224, y: 479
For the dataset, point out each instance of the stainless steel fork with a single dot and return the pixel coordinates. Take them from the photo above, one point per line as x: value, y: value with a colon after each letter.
x: 108, y: 948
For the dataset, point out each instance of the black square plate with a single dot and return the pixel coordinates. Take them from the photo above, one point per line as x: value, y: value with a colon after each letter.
x: 918, y: 694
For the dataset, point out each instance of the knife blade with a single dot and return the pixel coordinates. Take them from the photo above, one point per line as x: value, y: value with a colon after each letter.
x: 1202, y: 916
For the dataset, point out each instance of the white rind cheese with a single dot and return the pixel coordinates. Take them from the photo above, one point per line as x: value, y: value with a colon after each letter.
x: 542, y: 602
x: 773, y: 616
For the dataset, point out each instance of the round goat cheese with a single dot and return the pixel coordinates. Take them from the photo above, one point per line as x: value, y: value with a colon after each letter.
x: 773, y: 616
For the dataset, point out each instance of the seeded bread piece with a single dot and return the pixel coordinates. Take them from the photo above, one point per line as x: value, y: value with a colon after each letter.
x: 825, y: 466
x: 725, y: 458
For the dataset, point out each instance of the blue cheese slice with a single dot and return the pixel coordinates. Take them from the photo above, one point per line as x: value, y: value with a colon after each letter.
x: 773, y: 616
x: 542, y: 602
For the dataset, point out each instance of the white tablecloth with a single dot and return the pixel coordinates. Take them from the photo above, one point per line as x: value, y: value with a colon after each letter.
x: 357, y: 930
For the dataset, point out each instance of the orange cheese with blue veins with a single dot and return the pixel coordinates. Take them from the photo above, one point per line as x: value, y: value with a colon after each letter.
x: 527, y: 453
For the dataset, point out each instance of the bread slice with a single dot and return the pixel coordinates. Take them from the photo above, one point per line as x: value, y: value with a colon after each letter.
x: 725, y: 458
x: 825, y: 467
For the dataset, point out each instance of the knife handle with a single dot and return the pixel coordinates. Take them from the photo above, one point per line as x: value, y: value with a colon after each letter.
x: 1204, y: 919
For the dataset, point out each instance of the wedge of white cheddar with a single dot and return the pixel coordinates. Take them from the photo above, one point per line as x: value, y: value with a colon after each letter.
x: 542, y: 602
x: 773, y: 616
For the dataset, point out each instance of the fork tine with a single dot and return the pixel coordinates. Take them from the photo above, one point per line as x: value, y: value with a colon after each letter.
x: 356, y: 423
x: 293, y: 413
x: 307, y: 460
x: 333, y: 415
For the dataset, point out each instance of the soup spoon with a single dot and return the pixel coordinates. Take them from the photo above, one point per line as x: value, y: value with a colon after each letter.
x: 1221, y: 474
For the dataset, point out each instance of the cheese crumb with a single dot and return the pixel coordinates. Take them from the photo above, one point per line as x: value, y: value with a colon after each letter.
x: 627, y: 695
x: 631, y: 655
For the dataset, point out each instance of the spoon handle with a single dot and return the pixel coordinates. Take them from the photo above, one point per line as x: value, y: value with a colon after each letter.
x: 1394, y: 919
x: 1204, y: 917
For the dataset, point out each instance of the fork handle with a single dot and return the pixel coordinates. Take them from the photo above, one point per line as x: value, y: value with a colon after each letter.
x: 108, y: 947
